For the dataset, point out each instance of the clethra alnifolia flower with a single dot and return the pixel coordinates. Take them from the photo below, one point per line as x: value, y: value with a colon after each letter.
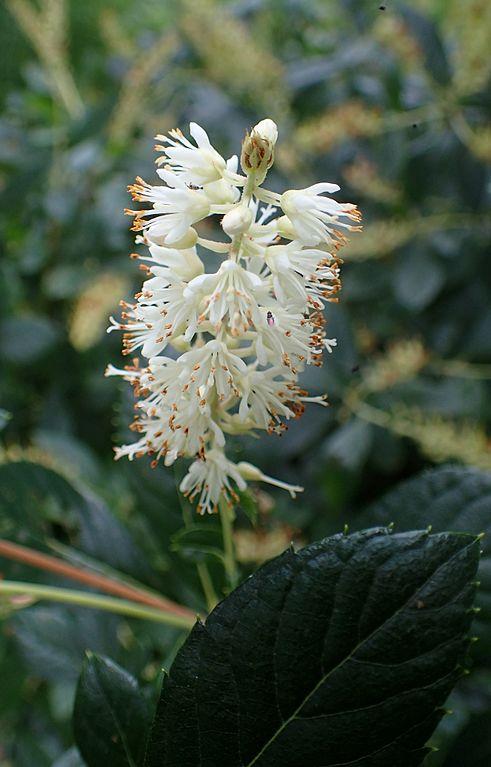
x: 223, y: 350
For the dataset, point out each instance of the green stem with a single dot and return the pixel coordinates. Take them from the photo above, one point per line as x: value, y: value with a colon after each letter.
x: 226, y: 517
x: 86, y: 599
x: 201, y: 567
x: 207, y: 586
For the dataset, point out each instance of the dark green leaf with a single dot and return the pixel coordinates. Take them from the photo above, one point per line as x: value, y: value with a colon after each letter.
x: 32, y: 496
x: 340, y: 654
x: 448, y: 498
x: 199, y: 541
x: 249, y: 506
x: 110, y: 716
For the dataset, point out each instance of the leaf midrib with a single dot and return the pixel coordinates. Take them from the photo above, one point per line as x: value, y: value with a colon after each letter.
x: 323, y: 679
x: 115, y: 719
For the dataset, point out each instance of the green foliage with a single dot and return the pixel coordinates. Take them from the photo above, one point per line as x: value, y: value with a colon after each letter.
x: 449, y: 498
x: 343, y: 652
x: 110, y: 715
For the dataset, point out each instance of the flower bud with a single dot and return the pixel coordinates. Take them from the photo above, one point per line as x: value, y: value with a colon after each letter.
x: 180, y: 344
x: 221, y: 192
x: 249, y: 471
x: 258, y: 149
x: 188, y: 240
x: 185, y: 262
x: 237, y: 221
x: 285, y: 228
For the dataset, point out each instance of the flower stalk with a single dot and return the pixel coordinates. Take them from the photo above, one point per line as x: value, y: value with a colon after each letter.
x: 86, y: 599
x: 115, y: 586
x: 226, y: 519
x: 222, y: 351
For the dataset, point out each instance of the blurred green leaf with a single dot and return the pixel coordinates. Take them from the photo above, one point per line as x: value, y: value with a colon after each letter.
x: 427, y: 34
x: 70, y: 758
x: 33, y: 498
x: 110, y: 716
x: 24, y: 340
x: 198, y: 542
x: 4, y: 418
x: 53, y: 639
x: 448, y: 498
x: 349, y: 445
x: 472, y: 748
x: 417, y: 280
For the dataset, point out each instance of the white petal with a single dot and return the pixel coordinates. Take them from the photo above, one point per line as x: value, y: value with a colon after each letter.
x: 200, y: 135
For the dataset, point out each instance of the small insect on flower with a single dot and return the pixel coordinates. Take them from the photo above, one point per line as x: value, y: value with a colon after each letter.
x: 231, y: 372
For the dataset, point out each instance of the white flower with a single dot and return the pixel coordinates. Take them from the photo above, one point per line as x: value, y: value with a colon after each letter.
x: 174, y: 208
x: 238, y: 335
x: 284, y: 333
x: 289, y: 287
x: 210, y: 477
x: 198, y: 164
x: 221, y: 193
x: 316, y: 218
x: 184, y: 263
x: 211, y: 367
x: 229, y: 293
x: 265, y: 394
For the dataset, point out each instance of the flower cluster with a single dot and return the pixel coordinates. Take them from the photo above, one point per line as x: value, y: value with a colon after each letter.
x: 224, y: 350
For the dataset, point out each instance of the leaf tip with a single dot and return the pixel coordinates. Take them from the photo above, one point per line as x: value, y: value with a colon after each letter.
x: 463, y: 670
x: 346, y: 529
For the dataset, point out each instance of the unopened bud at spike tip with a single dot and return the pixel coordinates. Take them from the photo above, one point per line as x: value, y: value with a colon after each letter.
x: 258, y: 149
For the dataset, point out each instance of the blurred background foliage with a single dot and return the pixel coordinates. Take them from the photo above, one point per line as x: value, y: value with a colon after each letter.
x: 392, y: 101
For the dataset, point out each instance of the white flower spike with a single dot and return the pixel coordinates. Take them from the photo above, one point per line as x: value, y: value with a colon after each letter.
x: 241, y: 335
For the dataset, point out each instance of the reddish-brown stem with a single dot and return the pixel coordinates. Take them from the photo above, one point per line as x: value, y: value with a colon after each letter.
x: 109, y: 585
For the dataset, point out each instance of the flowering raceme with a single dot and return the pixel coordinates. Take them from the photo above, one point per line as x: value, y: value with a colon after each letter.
x: 240, y: 336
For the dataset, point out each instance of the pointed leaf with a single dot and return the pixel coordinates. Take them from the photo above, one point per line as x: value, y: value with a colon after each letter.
x: 110, y: 715
x: 449, y: 498
x: 340, y: 654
